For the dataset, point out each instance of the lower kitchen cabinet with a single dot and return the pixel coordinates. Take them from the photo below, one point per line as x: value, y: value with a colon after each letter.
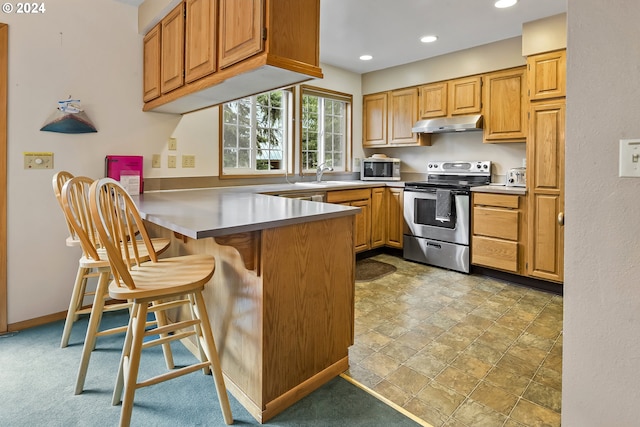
x: 499, y: 231
x: 381, y: 222
x: 360, y: 198
x: 378, y: 217
x: 395, y: 217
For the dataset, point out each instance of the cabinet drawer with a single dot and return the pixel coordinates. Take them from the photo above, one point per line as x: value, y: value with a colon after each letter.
x: 348, y: 195
x: 494, y: 253
x: 499, y: 200
x: 492, y: 222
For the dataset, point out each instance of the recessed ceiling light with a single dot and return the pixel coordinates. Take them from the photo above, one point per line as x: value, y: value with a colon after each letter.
x: 505, y: 3
x: 429, y: 39
x: 366, y: 57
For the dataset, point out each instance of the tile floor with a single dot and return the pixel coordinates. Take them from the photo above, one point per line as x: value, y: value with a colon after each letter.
x: 459, y: 350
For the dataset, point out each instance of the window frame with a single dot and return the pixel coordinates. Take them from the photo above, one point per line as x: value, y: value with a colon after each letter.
x: 348, y: 143
x: 288, y: 145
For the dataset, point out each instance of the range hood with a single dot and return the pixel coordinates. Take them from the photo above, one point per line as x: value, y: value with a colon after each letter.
x: 449, y: 124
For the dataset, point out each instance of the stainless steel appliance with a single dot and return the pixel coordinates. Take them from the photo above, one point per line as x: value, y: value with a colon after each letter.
x: 380, y: 168
x: 516, y: 177
x: 437, y: 213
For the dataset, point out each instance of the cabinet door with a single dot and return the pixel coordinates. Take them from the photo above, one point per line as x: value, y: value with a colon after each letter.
x: 241, y: 24
x: 433, y: 100
x: 403, y: 114
x: 151, y: 64
x: 547, y: 75
x: 374, y: 120
x: 505, y: 106
x: 464, y: 96
x: 395, y: 217
x: 200, y: 39
x: 378, y: 217
x: 545, y: 191
x: 172, y: 63
x: 363, y: 225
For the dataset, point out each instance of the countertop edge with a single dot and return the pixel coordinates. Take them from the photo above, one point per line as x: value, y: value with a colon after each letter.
x: 499, y: 189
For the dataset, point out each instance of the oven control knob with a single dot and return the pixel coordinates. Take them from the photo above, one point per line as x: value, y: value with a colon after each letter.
x: 478, y: 166
x: 430, y: 165
x: 485, y: 166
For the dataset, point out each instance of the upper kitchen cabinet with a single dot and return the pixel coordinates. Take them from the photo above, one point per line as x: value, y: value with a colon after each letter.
x: 172, y: 50
x: 200, y: 39
x: 505, y: 115
x: 403, y: 114
x: 388, y: 118
x: 374, y: 120
x: 240, y: 30
x: 465, y: 96
x: 433, y: 100
x: 451, y: 98
x: 232, y: 49
x: 547, y: 75
x: 151, y: 64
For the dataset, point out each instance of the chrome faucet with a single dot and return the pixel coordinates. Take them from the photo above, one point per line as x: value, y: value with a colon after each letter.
x: 322, y: 168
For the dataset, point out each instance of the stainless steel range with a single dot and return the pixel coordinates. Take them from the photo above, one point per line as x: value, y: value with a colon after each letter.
x: 437, y: 213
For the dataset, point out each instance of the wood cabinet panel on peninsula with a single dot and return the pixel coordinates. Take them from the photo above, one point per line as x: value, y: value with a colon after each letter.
x: 281, y: 305
x: 237, y: 48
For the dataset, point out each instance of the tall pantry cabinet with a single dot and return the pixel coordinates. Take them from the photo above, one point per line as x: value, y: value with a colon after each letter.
x: 545, y: 165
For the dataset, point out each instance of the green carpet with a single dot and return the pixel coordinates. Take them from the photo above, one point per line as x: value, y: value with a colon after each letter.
x: 37, y: 378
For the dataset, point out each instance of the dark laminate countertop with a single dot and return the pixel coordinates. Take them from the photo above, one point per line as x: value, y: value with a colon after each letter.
x: 212, y: 212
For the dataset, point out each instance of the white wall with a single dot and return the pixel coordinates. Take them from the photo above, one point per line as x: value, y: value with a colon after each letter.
x: 601, y: 359
x: 92, y: 51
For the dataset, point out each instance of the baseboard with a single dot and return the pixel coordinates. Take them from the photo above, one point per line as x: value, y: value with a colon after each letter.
x: 43, y: 320
x: 529, y: 282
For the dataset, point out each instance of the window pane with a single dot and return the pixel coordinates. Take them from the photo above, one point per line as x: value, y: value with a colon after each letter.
x: 258, y: 132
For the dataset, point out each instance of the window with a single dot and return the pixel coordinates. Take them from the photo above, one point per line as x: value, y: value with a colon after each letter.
x: 326, y: 129
x: 256, y: 133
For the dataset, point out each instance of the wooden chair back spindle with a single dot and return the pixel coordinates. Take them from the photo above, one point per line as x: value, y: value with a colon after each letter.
x: 119, y: 220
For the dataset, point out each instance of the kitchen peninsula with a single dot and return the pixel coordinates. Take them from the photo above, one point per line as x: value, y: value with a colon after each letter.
x: 281, y: 301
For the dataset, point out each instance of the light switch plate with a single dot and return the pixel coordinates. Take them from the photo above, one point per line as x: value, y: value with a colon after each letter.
x: 188, y: 161
x: 156, y: 161
x: 171, y: 161
x: 38, y: 160
x: 173, y: 144
x: 629, y: 158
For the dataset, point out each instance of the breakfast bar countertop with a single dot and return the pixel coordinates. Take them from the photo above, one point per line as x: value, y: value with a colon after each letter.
x: 219, y: 211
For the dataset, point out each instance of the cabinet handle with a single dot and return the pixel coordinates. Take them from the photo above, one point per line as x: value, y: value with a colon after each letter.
x: 561, y: 219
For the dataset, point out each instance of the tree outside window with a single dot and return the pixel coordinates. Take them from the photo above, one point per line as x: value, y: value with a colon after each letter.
x: 325, y: 129
x: 255, y: 133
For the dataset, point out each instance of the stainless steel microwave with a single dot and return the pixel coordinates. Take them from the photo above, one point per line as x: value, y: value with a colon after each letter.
x: 380, y: 169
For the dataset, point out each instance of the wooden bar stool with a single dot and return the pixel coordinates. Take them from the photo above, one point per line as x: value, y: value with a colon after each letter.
x: 154, y: 286
x: 74, y: 198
